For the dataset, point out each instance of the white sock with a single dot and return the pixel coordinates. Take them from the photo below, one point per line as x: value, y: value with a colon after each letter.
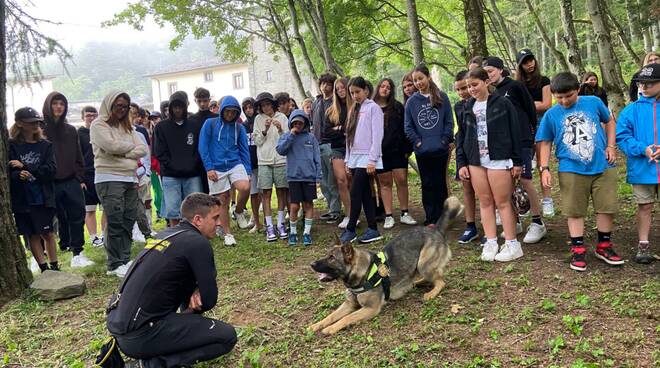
x: 492, y: 241
x: 308, y: 225
x: 511, y: 242
x: 92, y: 236
x: 280, y: 218
x: 269, y: 220
x: 294, y: 227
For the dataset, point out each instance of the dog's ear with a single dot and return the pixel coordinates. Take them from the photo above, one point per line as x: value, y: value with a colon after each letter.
x: 348, y: 252
x: 337, y: 241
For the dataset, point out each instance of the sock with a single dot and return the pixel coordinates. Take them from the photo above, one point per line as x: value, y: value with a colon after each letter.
x: 280, y: 218
x: 511, y: 242
x: 604, y: 237
x: 53, y: 266
x: 308, y: 225
x: 294, y: 229
x: 547, y: 199
x: 577, y: 241
x: 491, y: 241
x: 472, y: 225
x: 537, y: 220
x: 388, y: 215
x: 404, y: 212
x: 43, y: 266
x: 92, y: 236
x: 269, y: 220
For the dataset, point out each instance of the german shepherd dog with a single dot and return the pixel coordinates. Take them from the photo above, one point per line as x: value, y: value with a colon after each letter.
x: 415, y: 256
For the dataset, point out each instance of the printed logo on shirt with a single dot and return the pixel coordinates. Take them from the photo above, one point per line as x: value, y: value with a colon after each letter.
x: 428, y: 117
x: 578, y: 136
x: 31, y: 158
x: 190, y: 139
x: 157, y: 244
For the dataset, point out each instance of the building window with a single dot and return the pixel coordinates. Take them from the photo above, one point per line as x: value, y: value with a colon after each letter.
x: 269, y: 75
x: 238, y: 80
x: 208, y: 76
x: 172, y: 87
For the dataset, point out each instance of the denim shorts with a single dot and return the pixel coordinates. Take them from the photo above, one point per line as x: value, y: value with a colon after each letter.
x: 175, y: 190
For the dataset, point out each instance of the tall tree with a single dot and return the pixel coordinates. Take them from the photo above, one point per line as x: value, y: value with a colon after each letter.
x: 570, y: 37
x: 475, y: 29
x: 415, y: 34
x: 559, y: 57
x: 314, y: 12
x: 506, y: 32
x: 609, y: 63
x: 301, y: 41
x: 622, y: 35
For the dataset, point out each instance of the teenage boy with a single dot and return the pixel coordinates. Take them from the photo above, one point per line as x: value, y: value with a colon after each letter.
x: 518, y: 95
x: 175, y: 147
x: 328, y: 182
x: 586, y: 153
x: 269, y: 125
x: 255, y: 194
x: 283, y: 103
x: 303, y: 171
x: 638, y: 137
x: 223, y: 147
x: 89, y: 113
x: 203, y: 102
x: 69, y: 178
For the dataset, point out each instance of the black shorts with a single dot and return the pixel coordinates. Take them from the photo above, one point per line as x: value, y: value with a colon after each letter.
x: 393, y: 162
x: 302, y: 191
x: 527, y: 169
x: 91, y: 198
x: 38, y: 221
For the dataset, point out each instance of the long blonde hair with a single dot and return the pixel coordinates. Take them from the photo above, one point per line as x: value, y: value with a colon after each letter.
x: 16, y: 133
x: 334, y: 110
x: 648, y: 56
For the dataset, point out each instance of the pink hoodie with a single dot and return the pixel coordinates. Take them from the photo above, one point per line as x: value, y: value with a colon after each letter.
x: 369, y: 133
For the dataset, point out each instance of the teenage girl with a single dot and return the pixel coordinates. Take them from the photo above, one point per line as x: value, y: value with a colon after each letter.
x: 32, y: 171
x: 364, y: 136
x: 429, y: 126
x: 488, y: 154
x: 407, y: 87
x: 590, y: 87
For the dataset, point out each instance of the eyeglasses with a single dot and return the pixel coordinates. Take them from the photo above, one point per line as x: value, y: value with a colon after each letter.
x: 646, y: 84
x: 91, y: 115
x: 120, y: 107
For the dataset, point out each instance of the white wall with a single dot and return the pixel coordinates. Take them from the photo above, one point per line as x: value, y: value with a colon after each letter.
x: 32, y: 94
x: 222, y: 84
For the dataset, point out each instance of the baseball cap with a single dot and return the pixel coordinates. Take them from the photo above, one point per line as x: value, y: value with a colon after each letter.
x: 28, y: 115
x: 154, y: 114
x: 522, y: 55
x: 648, y: 73
x: 494, y: 61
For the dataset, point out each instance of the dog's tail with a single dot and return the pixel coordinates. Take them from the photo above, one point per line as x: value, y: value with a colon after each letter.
x: 452, y: 209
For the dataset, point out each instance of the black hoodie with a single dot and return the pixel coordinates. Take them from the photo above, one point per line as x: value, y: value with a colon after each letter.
x: 518, y: 95
x: 175, y: 146
x: 66, y: 144
x: 249, y: 129
x: 395, y: 143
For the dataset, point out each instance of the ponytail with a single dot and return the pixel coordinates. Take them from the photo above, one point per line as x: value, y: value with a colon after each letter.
x: 436, y: 95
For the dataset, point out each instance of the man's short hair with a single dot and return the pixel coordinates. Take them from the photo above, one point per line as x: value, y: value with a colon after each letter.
x: 327, y: 78
x: 88, y: 108
x: 198, y: 204
x: 282, y: 98
x: 461, y: 75
x: 564, y: 82
x: 202, y: 93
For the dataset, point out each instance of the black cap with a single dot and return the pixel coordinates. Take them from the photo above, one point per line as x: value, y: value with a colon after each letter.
x: 648, y: 73
x: 154, y: 114
x: 265, y: 96
x: 522, y: 55
x: 27, y: 115
x: 494, y: 61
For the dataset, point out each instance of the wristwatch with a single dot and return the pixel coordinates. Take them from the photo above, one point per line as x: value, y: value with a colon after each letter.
x: 543, y: 168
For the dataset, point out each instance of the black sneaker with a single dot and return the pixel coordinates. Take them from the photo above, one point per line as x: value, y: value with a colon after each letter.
x: 606, y: 253
x: 333, y: 217
x: 644, y: 255
x: 326, y: 216
x: 579, y: 259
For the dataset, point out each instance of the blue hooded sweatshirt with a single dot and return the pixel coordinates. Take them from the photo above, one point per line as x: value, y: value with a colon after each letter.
x: 433, y: 127
x: 223, y: 144
x: 636, y: 129
x: 303, y: 158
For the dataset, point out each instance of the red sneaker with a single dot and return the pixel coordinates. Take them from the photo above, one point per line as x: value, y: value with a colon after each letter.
x: 578, y: 261
x: 606, y: 253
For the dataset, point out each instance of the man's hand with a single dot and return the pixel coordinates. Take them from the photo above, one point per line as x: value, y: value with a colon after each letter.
x: 610, y: 154
x: 278, y: 125
x: 653, y: 152
x: 83, y: 186
x: 16, y: 164
x: 195, y: 301
x: 25, y: 175
x: 212, y: 175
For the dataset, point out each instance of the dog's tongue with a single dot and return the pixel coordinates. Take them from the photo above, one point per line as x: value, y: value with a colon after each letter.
x: 323, y: 276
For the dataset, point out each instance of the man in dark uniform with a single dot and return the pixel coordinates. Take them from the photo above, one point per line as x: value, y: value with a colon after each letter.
x: 175, y: 271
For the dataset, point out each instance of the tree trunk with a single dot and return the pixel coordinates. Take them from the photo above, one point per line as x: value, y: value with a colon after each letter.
x: 609, y: 64
x: 622, y: 35
x: 655, y: 28
x: 319, y: 19
x: 14, y: 274
x: 644, y: 26
x: 508, y: 37
x: 570, y: 37
x: 559, y: 57
x: 301, y: 42
x: 590, y: 56
x: 415, y: 33
x: 633, y: 21
x: 475, y: 28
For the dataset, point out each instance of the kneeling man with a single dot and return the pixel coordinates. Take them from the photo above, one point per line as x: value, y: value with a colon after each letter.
x: 175, y: 271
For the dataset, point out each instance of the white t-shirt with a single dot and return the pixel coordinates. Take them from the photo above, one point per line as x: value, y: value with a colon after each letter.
x: 479, y: 110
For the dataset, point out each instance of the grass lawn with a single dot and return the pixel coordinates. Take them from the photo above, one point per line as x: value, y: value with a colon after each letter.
x: 534, y: 312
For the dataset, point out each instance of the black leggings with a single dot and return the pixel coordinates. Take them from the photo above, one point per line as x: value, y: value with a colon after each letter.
x: 179, y: 339
x: 433, y: 172
x: 361, y: 197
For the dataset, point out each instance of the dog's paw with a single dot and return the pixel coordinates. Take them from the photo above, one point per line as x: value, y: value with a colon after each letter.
x: 315, y: 327
x: 430, y: 295
x: 329, y: 330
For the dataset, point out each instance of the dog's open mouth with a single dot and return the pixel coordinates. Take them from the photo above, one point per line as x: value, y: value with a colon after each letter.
x: 326, y: 277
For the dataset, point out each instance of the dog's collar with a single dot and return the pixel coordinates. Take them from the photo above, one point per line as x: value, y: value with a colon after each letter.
x: 379, y: 275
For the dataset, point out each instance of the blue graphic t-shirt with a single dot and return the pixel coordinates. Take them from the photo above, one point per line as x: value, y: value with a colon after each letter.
x: 579, y: 138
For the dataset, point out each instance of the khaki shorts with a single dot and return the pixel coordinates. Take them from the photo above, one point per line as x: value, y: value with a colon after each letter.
x: 144, y: 189
x: 270, y: 175
x: 646, y: 193
x: 576, y: 190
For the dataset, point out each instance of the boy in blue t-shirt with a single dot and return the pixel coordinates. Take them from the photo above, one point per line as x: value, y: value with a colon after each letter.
x: 586, y: 154
x: 638, y: 136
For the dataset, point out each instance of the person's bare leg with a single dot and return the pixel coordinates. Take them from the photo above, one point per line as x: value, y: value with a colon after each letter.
x: 90, y: 223
x: 604, y: 222
x: 338, y: 168
x: 224, y: 211
x: 36, y: 248
x: 575, y: 226
x: 479, y: 178
x: 644, y: 217
x: 401, y: 180
x: 386, y: 183
x: 501, y: 183
x: 532, y: 194
x: 469, y: 201
x: 51, y: 247
x: 255, y: 202
x: 282, y: 200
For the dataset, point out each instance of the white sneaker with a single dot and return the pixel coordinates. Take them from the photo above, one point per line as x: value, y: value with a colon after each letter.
x: 535, y: 233
x: 97, y: 242
x: 241, y: 220
x: 119, y: 271
x: 229, y: 240
x: 519, y: 230
x: 489, y: 251
x: 407, y: 219
x: 548, y: 207
x: 80, y: 261
x: 34, y: 266
x: 251, y: 223
x: 389, y: 222
x: 137, y: 234
x: 344, y: 223
x: 509, y: 252
x: 498, y: 219
x: 253, y: 229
